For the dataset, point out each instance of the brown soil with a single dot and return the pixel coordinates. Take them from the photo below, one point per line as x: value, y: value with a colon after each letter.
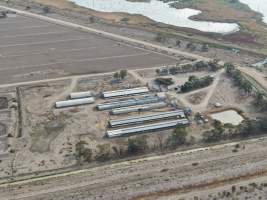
x: 197, y: 98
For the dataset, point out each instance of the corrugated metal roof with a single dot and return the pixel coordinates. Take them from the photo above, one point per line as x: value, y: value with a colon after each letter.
x: 79, y: 95
x: 145, y: 118
x: 125, y: 103
x: 138, y: 108
x: 125, y: 92
x: 74, y: 102
x: 144, y: 128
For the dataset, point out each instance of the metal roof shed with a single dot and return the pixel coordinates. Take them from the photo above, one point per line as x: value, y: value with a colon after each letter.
x: 144, y: 107
x: 145, y: 128
x: 79, y: 95
x: 146, y: 118
x: 125, y: 103
x: 74, y: 102
x: 126, y: 92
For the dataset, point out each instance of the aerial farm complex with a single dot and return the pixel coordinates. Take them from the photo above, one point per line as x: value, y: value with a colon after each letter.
x: 87, y: 112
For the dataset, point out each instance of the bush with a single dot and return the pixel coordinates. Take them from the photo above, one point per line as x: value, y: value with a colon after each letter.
x: 177, y: 138
x: 137, y: 145
x: 160, y: 38
x: 82, y: 153
x: 164, y: 81
x: 103, y: 152
x: 46, y: 9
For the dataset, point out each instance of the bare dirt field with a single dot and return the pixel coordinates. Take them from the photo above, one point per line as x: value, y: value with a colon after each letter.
x: 32, y: 49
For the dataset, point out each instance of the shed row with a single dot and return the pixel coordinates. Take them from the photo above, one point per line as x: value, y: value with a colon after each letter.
x: 145, y: 128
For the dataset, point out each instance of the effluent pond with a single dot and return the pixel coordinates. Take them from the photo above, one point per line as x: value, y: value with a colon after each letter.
x: 159, y: 11
x: 228, y: 117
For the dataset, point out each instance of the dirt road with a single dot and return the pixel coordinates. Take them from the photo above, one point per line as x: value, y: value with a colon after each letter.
x: 259, y: 77
x: 148, y: 178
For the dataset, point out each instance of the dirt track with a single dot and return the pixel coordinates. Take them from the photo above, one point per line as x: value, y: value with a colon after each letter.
x: 147, y: 177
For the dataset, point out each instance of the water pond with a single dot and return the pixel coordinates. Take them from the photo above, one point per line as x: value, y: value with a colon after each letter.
x: 258, y: 6
x: 159, y: 12
x: 228, y: 117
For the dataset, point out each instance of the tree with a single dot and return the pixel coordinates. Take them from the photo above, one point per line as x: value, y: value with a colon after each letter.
x: 230, y: 68
x: 92, y: 19
x: 82, y: 153
x: 137, y: 145
x: 116, y: 75
x: 123, y: 73
x: 160, y: 38
x: 164, y: 81
x: 247, y: 87
x: 174, y: 70
x: 46, y: 9
x: 259, y: 98
x: 103, y: 152
x: 194, y: 83
x: 192, y: 78
x: 125, y: 19
x: 214, y: 66
x: 177, y: 138
x: 205, y: 48
x: 178, y: 43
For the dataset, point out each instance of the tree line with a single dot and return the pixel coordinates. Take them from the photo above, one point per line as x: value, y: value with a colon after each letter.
x: 195, y: 83
x: 135, y: 145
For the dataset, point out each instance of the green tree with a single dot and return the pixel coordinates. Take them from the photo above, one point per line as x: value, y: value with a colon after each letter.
x: 116, y: 75
x: 103, y: 152
x: 259, y: 98
x: 137, y: 145
x: 82, y: 153
x: 46, y: 9
x: 247, y: 87
x: 178, y: 43
x: 230, y: 68
x: 160, y: 38
x: 123, y: 73
x: 164, y: 81
x: 205, y: 48
x: 177, y: 138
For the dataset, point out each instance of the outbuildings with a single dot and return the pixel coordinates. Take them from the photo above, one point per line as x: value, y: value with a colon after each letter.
x: 146, y: 118
x: 125, y: 92
x: 74, y: 102
x: 145, y: 128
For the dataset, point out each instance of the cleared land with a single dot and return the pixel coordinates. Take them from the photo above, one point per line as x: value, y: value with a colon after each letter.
x: 32, y: 49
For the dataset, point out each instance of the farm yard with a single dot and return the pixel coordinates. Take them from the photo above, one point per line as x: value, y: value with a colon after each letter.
x: 84, y: 115
x: 54, y: 137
